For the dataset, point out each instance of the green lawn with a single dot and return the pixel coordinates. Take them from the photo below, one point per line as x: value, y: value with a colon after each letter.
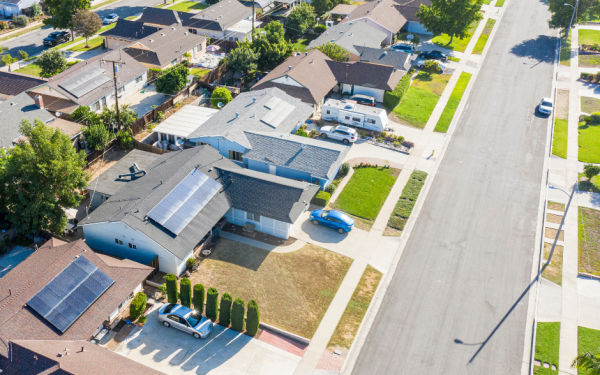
x: 589, y: 61
x: 421, y: 98
x: 589, y: 36
x: 499, y: 3
x: 186, y: 6
x: 589, y: 241
x: 103, y: 4
x: 587, y: 340
x: 455, y: 59
x: 589, y: 143
x: 65, y: 45
x: 199, y: 73
x: 590, y: 105
x: 366, y: 191
x: 565, y: 53
x: 455, y: 97
x: 407, y: 200
x: 31, y: 69
x: 483, y: 38
x: 94, y: 43
x: 559, y: 144
x: 457, y: 44
x: 487, y: 2
x: 593, y: 185
x: 301, y: 44
x: 547, y: 342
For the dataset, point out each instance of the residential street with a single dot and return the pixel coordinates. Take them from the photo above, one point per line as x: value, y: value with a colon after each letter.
x: 458, y: 301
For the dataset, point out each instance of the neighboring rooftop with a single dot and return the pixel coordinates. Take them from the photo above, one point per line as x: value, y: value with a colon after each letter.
x: 345, y: 9
x: 350, y: 34
x: 130, y: 30
x: 12, y: 84
x: 13, y: 111
x: 384, y: 12
x: 183, y: 122
x: 409, y: 8
x: 365, y: 74
x: 398, y: 59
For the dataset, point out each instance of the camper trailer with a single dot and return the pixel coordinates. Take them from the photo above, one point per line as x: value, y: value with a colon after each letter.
x: 350, y: 113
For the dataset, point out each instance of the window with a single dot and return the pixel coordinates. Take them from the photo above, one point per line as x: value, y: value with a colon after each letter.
x: 95, y: 106
x: 357, y: 119
x: 199, y: 48
x: 118, y: 241
x: 171, y: 138
x: 371, y: 121
x: 174, y: 318
x: 132, y: 246
x: 139, y: 79
x: 252, y: 216
x: 234, y: 155
x: 120, y: 89
x: 347, y: 117
x: 174, y: 62
x: 328, y: 112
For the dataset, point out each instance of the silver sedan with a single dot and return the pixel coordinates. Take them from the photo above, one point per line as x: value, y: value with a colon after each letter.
x: 185, y: 319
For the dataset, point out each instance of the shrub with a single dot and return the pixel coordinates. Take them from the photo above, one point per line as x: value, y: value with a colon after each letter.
x: 330, y: 188
x: 211, y: 304
x: 199, y: 298
x: 163, y: 289
x: 313, y: 133
x: 23, y: 240
x: 595, y: 118
x: 137, y: 306
x: 252, y: 318
x: 320, y: 29
x: 171, y: 288
x: 36, y: 10
x: 143, y: 319
x: 21, y: 21
x: 23, y: 55
x: 345, y: 168
x: 220, y: 95
x: 11, y: 26
x: 172, y: 80
x: 237, y: 315
x: 97, y: 136
x: 432, y: 66
x: 321, y: 198
x: 591, y: 170
x: 587, y: 76
x: 185, y: 292
x: 225, y: 310
x: 51, y: 62
x: 125, y: 139
x: 407, y: 200
x: 153, y: 73
x: 2, y: 25
x: 597, y: 76
x: 301, y: 132
x: 391, y: 99
x: 190, y: 262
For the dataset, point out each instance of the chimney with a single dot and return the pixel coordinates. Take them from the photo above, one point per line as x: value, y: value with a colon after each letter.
x: 82, y: 349
x: 39, y: 101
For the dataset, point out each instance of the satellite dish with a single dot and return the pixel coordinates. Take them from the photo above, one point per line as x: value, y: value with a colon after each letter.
x: 410, y: 37
x: 220, y: 105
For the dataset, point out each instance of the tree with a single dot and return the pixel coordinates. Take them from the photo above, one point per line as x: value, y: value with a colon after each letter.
x: 185, y: 292
x: 108, y: 116
x: 97, y: 136
x: 587, y: 361
x: 301, y: 19
x: 171, y: 281
x: 591, y: 170
x: 40, y: 178
x: 23, y: 55
x: 52, y: 62
x: 137, y: 306
x: 237, y: 315
x: 84, y: 115
x: 172, y: 80
x: 62, y: 13
x: 8, y: 60
x: 36, y: 10
x: 431, y: 66
x: 225, y: 310
x: 86, y: 23
x: 242, y: 59
x: 561, y: 13
x: 272, y: 47
x: 211, y: 304
x: 322, y: 6
x: 253, y: 318
x: 199, y: 298
x: 220, y: 95
x: 20, y: 21
x: 334, y: 52
x: 450, y: 17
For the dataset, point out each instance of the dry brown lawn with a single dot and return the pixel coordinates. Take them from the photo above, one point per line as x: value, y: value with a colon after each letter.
x: 293, y: 290
x: 392, y: 232
x: 99, y: 166
x: 556, y: 219
x: 551, y: 234
x: 562, y: 104
x: 553, y: 271
x: 556, y: 206
x: 589, y: 241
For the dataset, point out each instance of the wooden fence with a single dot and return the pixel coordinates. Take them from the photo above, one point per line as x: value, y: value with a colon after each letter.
x: 148, y: 148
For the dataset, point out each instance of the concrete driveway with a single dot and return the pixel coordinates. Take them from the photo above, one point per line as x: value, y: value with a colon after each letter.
x: 142, y: 102
x: 223, y: 352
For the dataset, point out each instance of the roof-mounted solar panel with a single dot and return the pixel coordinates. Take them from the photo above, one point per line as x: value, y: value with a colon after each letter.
x: 279, y: 111
x: 84, y: 82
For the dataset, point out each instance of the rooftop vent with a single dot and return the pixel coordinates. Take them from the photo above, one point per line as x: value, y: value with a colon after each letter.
x: 351, y: 34
x: 290, y: 67
x: 237, y: 115
x: 163, y: 34
x: 186, y: 33
x: 253, y: 100
x: 172, y: 28
x: 151, y: 40
x: 305, y: 53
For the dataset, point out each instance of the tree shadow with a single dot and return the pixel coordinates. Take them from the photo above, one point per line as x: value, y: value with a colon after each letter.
x: 540, y: 49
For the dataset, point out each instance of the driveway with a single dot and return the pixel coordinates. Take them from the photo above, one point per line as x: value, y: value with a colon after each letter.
x: 142, y: 102
x: 223, y: 352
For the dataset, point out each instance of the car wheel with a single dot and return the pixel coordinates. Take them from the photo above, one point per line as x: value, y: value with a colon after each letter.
x: 196, y: 335
x: 315, y: 222
x: 166, y: 324
x: 324, y: 136
x: 341, y: 231
x: 345, y: 141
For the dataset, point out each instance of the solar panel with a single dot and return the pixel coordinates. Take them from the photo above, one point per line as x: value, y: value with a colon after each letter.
x: 84, y: 82
x: 273, y: 102
x: 68, y: 295
x: 277, y: 113
x: 182, y: 204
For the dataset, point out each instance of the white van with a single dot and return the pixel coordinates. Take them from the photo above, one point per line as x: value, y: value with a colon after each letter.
x: 350, y: 113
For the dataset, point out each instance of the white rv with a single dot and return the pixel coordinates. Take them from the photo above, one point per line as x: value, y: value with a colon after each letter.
x: 349, y: 113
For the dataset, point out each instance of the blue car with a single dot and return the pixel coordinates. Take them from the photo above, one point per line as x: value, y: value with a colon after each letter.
x: 332, y: 219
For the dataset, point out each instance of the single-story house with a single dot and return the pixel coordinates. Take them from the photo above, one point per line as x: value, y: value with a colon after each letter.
x: 65, y: 292
x: 398, y: 59
x: 348, y: 35
x: 8, y: 8
x: 90, y: 83
x: 127, y: 32
x: 12, y: 84
x: 169, y: 210
x: 409, y: 9
x: 182, y: 123
x: 365, y: 78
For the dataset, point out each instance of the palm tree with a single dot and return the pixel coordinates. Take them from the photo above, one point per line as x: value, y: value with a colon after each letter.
x: 587, y: 361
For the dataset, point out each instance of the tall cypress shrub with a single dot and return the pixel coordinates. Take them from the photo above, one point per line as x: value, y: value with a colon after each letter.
x: 185, y: 292
x: 137, y: 306
x: 237, y: 315
x: 253, y: 318
x: 171, y: 288
x: 225, y: 310
x: 212, y: 298
x: 199, y: 298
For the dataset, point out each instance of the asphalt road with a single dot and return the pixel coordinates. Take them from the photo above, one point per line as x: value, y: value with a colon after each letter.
x: 458, y: 301
x: 32, y: 43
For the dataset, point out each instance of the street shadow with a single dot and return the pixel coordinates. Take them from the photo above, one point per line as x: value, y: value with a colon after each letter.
x: 593, y: 87
x: 540, y: 49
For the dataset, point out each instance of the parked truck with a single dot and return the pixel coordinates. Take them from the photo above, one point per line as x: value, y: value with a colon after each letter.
x: 348, y: 112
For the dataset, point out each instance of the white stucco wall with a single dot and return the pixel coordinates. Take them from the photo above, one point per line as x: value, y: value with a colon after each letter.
x: 390, y: 34
x: 131, y: 88
x: 220, y: 144
x: 286, y: 80
x: 266, y: 225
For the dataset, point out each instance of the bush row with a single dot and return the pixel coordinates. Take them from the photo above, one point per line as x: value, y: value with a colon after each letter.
x: 392, y: 99
x: 407, y: 200
x: 321, y: 198
x: 344, y: 169
x: 592, y: 119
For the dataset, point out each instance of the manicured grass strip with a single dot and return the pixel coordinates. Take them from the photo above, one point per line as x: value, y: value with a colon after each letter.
x: 407, y: 200
x: 590, y: 105
x: 556, y: 206
x: 559, y: 144
x: 589, y: 143
x: 22, y: 32
x: 346, y: 330
x: 586, y: 185
x: 487, y: 2
x: 565, y: 52
x: 94, y: 43
x: 452, y: 58
x: 458, y: 44
x: 31, y: 69
x: 393, y: 98
x: 553, y: 271
x: 499, y: 3
x: 420, y: 100
x: 103, y: 4
x: 589, y: 36
x: 589, y: 241
x: 366, y: 191
x: 186, y: 6
x: 588, y: 340
x: 453, y: 102
x: 483, y: 38
x: 547, y: 343
x: 199, y: 73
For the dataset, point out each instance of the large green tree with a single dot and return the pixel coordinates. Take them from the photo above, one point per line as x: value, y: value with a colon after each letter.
x: 450, y: 17
x: 272, y: 47
x: 324, y: 6
x: 243, y: 58
x: 334, y: 52
x: 561, y: 13
x: 62, y: 12
x: 301, y: 19
x: 97, y: 136
x: 52, y: 62
x: 172, y: 80
x: 86, y: 23
x: 40, y: 178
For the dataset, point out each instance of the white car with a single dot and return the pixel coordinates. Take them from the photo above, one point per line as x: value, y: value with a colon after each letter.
x: 545, y: 106
x: 421, y: 63
x: 111, y: 18
x: 339, y: 133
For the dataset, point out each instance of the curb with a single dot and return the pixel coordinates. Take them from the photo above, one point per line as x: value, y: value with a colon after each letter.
x: 289, y: 335
x: 583, y: 274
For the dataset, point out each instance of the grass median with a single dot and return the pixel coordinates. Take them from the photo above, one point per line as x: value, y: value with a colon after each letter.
x: 94, y: 43
x: 186, y: 6
x: 589, y: 142
x: 455, y: 98
x: 407, y: 200
x: 553, y: 271
x: 547, y: 343
x: 588, y: 340
x: 565, y: 52
x: 483, y: 38
x: 561, y: 137
x: 589, y: 241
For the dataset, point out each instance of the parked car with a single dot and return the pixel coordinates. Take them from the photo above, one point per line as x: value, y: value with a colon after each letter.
x: 421, y: 63
x: 339, y: 133
x: 56, y: 38
x: 545, y: 106
x: 364, y: 99
x: 185, y: 319
x: 332, y: 219
x: 433, y: 55
x: 403, y: 48
x: 111, y: 18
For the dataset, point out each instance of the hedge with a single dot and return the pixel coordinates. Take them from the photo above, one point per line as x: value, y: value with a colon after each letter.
x: 407, y: 200
x: 237, y: 315
x: 253, y: 318
x: 212, y: 298
x: 137, y: 306
x: 171, y: 288
x: 225, y: 310
x: 321, y: 198
x: 185, y: 292
x: 393, y: 98
x: 199, y: 298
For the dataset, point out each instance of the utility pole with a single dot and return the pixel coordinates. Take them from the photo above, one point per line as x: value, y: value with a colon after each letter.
x: 253, y: 16
x: 121, y: 62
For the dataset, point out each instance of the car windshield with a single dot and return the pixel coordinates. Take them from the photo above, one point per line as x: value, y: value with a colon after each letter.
x: 324, y: 213
x: 54, y: 34
x: 168, y: 308
x: 546, y: 104
x: 194, y: 318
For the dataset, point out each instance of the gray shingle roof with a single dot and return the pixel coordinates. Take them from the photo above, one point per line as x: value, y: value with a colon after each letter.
x: 320, y: 159
x: 266, y: 195
x: 14, y: 83
x: 225, y: 123
x: 350, y: 34
x: 133, y: 30
x: 409, y: 8
x: 15, y: 109
x: 397, y: 59
x: 384, y: 12
x: 158, y: 16
x: 225, y: 14
x: 365, y: 74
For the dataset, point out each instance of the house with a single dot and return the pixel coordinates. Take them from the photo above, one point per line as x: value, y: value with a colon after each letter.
x: 348, y: 35
x: 167, y: 212
x: 365, y: 78
x: 154, y: 47
x: 409, y: 9
x: 90, y: 83
x: 12, y: 84
x: 295, y: 157
x: 398, y: 59
x: 268, y: 110
x: 65, y: 292
x: 181, y: 124
x: 22, y: 106
x: 8, y: 8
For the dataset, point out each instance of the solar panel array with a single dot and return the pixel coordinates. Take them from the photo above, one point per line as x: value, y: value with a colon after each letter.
x: 279, y: 110
x: 84, y: 82
x: 66, y: 297
x: 182, y: 204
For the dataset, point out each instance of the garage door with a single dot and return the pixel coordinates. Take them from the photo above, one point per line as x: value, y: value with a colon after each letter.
x: 376, y: 93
